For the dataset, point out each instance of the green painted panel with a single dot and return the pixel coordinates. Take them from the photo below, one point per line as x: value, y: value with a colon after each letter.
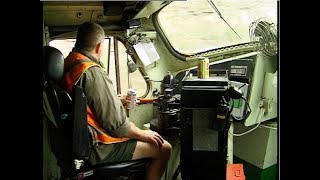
x: 270, y: 173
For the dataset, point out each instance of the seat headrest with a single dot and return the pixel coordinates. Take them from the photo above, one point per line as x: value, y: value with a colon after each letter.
x: 53, y: 62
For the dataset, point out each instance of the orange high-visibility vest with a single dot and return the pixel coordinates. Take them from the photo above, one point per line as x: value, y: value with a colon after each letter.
x: 70, y: 78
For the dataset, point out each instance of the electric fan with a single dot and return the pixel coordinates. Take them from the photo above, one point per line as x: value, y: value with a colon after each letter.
x: 264, y: 33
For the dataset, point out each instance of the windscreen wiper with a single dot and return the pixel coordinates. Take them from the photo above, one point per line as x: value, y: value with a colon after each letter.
x: 216, y: 9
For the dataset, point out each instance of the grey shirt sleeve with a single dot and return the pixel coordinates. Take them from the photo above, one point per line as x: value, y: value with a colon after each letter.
x: 104, y: 102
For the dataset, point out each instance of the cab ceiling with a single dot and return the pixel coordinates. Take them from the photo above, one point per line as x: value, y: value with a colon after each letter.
x: 61, y: 17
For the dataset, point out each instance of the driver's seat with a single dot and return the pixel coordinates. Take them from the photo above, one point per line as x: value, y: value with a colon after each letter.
x: 68, y: 130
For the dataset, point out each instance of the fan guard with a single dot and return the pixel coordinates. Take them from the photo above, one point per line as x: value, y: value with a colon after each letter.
x: 264, y: 33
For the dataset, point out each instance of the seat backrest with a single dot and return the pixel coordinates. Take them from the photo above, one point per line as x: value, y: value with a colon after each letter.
x: 66, y: 112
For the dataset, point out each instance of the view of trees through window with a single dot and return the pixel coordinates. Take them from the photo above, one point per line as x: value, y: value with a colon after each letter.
x: 194, y: 26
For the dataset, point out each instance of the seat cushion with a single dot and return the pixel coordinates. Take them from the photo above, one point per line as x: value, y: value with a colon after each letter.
x: 124, y: 167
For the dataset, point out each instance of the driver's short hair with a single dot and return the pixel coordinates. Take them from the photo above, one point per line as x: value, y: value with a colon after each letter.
x: 89, y: 35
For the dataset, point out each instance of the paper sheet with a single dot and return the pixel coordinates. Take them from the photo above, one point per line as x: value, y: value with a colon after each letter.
x: 146, y: 52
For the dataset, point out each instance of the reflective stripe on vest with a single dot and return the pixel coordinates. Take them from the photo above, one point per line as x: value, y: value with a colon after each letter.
x: 70, y: 78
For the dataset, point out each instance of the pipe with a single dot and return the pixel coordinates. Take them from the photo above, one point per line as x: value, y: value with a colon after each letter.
x: 116, y: 61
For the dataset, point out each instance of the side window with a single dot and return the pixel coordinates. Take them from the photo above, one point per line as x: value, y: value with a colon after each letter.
x: 115, y: 60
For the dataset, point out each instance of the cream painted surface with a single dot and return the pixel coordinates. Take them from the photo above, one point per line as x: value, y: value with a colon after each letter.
x: 258, y: 147
x: 271, y: 157
x: 259, y: 108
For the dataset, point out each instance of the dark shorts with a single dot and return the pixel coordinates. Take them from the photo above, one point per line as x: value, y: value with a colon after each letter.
x: 121, y: 151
